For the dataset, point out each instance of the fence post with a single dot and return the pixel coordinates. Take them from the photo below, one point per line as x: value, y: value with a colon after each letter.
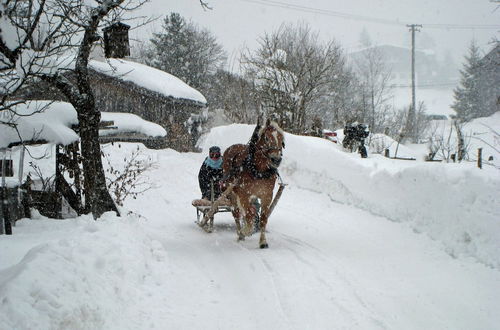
x: 387, y: 153
x: 479, y: 157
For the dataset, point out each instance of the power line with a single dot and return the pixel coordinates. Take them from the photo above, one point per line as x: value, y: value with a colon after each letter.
x: 313, y: 10
x: 307, y: 9
x: 462, y: 27
x: 427, y: 85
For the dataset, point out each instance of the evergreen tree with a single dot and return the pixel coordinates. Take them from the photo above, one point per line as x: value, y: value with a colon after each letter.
x: 184, y: 50
x: 468, y: 103
x: 364, y: 38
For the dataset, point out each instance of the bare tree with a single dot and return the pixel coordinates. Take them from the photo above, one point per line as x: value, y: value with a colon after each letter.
x: 46, y: 39
x: 129, y: 180
x: 291, y: 71
x: 442, y: 142
x: 235, y: 95
x: 374, y: 76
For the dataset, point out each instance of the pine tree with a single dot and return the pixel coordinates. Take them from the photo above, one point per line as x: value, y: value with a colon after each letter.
x: 364, y: 38
x: 468, y: 103
x: 184, y: 50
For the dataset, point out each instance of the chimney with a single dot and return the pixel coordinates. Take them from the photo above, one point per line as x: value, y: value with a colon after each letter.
x: 116, y: 43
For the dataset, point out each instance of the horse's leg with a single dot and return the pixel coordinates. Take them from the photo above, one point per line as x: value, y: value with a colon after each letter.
x: 248, y: 229
x: 264, y: 214
x: 243, y: 205
x: 237, y: 216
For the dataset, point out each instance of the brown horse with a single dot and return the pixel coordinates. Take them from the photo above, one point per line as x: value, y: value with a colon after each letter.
x: 252, y: 170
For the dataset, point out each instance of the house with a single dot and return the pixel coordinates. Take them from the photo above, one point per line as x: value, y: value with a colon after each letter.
x: 489, y: 80
x: 34, y: 123
x: 122, y: 85
x: 398, y: 61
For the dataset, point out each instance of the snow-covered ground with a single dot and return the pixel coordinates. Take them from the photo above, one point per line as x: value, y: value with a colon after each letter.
x: 481, y: 133
x: 354, y: 244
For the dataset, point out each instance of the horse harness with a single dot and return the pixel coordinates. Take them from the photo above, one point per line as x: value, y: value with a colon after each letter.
x: 249, y: 165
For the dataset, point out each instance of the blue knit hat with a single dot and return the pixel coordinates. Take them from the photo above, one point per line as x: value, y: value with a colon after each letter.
x: 214, y: 149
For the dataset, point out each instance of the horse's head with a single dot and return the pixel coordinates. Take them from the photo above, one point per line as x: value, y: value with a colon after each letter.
x: 271, y: 142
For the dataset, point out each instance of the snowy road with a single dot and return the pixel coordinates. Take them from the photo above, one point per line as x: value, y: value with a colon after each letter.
x: 329, y: 266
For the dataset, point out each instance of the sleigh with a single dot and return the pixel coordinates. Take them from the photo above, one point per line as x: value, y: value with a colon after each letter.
x: 206, y: 209
x: 203, y: 207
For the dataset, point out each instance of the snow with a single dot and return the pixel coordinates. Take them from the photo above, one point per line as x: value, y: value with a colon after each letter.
x: 148, y: 77
x: 39, y: 120
x: 378, y: 143
x: 478, y: 133
x: 52, y: 121
x: 8, y: 32
x: 354, y: 243
x: 127, y: 122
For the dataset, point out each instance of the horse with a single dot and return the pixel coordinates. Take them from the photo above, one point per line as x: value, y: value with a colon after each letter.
x: 252, y: 170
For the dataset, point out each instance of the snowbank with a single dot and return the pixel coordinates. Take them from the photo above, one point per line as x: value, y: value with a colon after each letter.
x: 455, y: 204
x: 84, y: 279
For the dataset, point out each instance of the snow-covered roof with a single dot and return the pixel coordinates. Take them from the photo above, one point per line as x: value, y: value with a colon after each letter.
x: 39, y: 120
x: 51, y: 122
x: 147, y: 77
x: 130, y: 123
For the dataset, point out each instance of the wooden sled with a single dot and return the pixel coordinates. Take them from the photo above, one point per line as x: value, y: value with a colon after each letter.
x: 205, y: 210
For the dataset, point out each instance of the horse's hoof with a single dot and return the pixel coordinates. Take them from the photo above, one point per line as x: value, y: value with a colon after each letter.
x: 241, y: 238
x: 264, y: 245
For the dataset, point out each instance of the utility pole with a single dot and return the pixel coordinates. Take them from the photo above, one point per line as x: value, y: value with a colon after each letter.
x: 411, y: 121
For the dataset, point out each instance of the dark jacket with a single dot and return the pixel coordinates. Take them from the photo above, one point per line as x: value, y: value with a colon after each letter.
x: 205, y: 176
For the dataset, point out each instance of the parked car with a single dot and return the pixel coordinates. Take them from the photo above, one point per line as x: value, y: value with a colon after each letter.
x: 329, y: 135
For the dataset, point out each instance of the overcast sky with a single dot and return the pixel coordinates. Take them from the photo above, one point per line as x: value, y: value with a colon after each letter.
x: 239, y: 23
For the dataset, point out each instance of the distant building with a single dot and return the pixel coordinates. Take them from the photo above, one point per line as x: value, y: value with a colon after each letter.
x: 489, y: 79
x: 398, y: 60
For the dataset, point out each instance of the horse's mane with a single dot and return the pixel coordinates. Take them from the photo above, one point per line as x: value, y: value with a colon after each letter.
x: 271, y: 123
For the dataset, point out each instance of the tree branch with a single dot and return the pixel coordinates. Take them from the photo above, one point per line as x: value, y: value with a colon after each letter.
x: 204, y: 5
